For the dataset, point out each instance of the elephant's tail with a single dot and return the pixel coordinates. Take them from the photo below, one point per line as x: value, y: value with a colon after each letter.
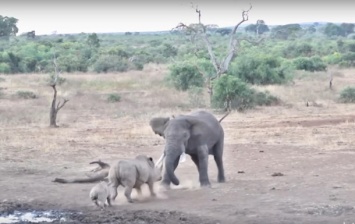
x: 220, y: 120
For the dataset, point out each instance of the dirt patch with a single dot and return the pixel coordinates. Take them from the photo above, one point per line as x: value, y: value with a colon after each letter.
x: 319, y: 122
x: 15, y: 212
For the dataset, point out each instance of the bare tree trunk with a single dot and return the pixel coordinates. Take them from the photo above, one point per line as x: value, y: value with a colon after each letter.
x: 53, y: 112
x: 55, y: 108
x: 330, y: 80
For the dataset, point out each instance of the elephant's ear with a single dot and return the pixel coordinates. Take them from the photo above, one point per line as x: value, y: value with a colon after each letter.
x: 158, y: 125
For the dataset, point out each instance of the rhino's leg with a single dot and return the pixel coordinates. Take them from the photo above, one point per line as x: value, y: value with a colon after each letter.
x: 113, y: 185
x: 129, y: 184
x: 151, y: 189
x: 127, y: 193
x: 139, y: 190
x: 109, y: 201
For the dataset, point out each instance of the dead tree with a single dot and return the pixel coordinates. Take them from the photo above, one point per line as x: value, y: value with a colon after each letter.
x: 55, y: 106
x: 220, y: 65
x: 330, y: 80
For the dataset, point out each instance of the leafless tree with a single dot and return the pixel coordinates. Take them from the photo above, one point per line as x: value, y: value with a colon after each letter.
x: 330, y: 80
x: 55, y: 106
x: 220, y: 65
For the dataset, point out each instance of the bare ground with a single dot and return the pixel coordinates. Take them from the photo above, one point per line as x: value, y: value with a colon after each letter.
x: 284, y: 164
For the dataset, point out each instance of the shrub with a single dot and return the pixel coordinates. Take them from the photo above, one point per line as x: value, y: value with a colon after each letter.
x: 348, y: 60
x: 265, y: 99
x: 113, y: 97
x: 4, y: 68
x: 26, y: 95
x: 138, y: 65
x: 347, y: 95
x: 185, y: 75
x: 310, y: 64
x: 259, y: 70
x: 110, y: 63
x: 240, y: 95
x: 333, y: 58
x: 297, y: 50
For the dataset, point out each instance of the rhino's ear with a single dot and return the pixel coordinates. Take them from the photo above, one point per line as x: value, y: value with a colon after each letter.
x: 158, y: 125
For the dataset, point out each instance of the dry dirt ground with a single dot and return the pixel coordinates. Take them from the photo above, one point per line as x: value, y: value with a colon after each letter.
x: 283, y: 164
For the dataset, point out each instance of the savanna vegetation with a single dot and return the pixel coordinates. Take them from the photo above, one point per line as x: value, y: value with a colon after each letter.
x: 264, y: 55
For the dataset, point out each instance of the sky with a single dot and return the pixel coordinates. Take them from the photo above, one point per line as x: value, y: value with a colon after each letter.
x: 75, y: 16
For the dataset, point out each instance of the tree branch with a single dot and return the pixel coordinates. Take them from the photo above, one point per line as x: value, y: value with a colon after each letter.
x: 233, y: 42
x: 62, y: 105
x: 197, y: 11
x: 211, y: 53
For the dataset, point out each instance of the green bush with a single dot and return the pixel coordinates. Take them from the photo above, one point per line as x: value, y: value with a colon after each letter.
x: 4, y: 68
x: 334, y: 58
x: 299, y: 49
x: 138, y: 65
x: 347, y: 60
x: 113, y: 97
x: 26, y: 95
x: 310, y: 64
x: 184, y: 75
x: 110, y: 63
x: 261, y: 70
x: 347, y: 95
x: 240, y: 95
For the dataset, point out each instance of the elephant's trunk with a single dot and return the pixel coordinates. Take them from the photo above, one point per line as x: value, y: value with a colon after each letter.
x: 172, y: 158
x: 169, y: 164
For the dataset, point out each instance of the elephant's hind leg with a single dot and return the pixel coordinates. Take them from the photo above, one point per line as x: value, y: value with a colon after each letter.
x: 218, y: 158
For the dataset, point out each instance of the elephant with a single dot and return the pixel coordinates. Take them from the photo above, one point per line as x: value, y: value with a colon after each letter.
x: 198, y: 134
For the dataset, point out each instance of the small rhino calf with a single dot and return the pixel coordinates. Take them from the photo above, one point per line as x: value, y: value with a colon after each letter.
x: 99, y: 194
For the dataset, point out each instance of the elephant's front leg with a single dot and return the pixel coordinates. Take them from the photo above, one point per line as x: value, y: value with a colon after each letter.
x: 202, y: 152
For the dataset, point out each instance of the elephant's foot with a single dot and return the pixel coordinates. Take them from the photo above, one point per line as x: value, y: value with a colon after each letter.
x: 205, y: 184
x: 165, y: 186
x: 221, y: 180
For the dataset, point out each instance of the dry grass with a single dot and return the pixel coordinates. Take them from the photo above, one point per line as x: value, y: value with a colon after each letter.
x: 88, y: 121
x: 313, y: 87
x: 311, y: 145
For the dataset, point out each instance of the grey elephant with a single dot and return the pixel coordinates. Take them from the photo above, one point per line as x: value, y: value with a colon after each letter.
x: 198, y: 134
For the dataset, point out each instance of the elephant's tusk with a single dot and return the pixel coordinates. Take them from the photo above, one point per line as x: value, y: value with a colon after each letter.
x: 160, y: 160
x: 182, y: 158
